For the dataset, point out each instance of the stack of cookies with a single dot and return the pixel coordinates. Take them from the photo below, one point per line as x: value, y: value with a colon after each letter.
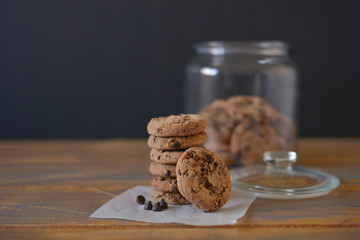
x: 169, y: 138
x: 241, y: 128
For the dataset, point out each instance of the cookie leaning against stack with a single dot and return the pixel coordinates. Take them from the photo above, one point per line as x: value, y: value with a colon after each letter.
x: 169, y: 138
x: 203, y: 179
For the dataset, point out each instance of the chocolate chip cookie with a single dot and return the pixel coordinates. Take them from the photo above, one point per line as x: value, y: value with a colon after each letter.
x: 203, y: 179
x: 164, y: 170
x: 252, y: 127
x: 177, y: 125
x: 220, y: 123
x: 169, y: 197
x: 165, y: 157
x: 239, y: 107
x: 176, y: 143
x: 250, y: 141
x: 165, y: 184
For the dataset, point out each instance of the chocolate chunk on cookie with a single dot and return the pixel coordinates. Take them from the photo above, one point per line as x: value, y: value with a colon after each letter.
x: 203, y: 179
x: 176, y: 143
x: 165, y: 157
x: 170, y: 198
x: 165, y: 184
x: 163, y: 170
x: 177, y: 125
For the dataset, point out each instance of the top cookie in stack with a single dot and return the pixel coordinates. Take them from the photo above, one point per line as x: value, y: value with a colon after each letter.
x: 169, y: 138
x: 177, y: 125
x: 176, y: 132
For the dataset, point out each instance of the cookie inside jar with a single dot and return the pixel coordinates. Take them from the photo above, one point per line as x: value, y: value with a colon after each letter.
x: 241, y: 128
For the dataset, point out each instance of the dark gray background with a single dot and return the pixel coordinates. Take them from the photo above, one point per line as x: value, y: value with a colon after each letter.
x: 89, y: 69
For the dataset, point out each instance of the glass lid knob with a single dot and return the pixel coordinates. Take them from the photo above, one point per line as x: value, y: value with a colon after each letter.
x: 279, y: 159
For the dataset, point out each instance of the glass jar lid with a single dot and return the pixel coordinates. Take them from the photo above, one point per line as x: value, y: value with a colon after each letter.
x: 274, y: 48
x: 280, y: 179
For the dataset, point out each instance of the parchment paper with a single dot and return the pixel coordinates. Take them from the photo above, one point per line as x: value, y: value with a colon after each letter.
x: 124, y: 206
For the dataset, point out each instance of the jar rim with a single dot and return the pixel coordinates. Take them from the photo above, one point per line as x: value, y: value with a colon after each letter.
x: 242, y: 47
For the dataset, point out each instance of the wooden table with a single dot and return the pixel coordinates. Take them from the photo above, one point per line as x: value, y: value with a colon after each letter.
x: 49, y: 188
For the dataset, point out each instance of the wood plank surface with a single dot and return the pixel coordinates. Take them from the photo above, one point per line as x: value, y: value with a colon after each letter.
x: 187, y: 233
x: 48, y: 188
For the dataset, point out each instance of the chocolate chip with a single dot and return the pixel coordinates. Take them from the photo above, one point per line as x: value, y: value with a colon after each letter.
x: 157, y: 207
x: 174, y: 144
x: 201, y: 181
x: 158, y: 158
x: 209, y: 158
x: 175, y: 189
x: 175, y: 181
x: 148, y: 206
x: 204, y: 171
x: 140, y: 199
x: 163, y: 204
x: 208, y: 185
x: 216, y: 164
x: 186, y: 174
x: 162, y: 178
x: 191, y: 153
x: 167, y: 173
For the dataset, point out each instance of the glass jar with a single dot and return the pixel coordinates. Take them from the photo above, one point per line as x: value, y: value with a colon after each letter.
x: 248, y: 93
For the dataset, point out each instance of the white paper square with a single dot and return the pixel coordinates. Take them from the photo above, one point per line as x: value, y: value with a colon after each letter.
x: 124, y: 206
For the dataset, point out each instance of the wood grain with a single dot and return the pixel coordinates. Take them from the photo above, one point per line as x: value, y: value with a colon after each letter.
x: 187, y: 233
x: 48, y: 189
